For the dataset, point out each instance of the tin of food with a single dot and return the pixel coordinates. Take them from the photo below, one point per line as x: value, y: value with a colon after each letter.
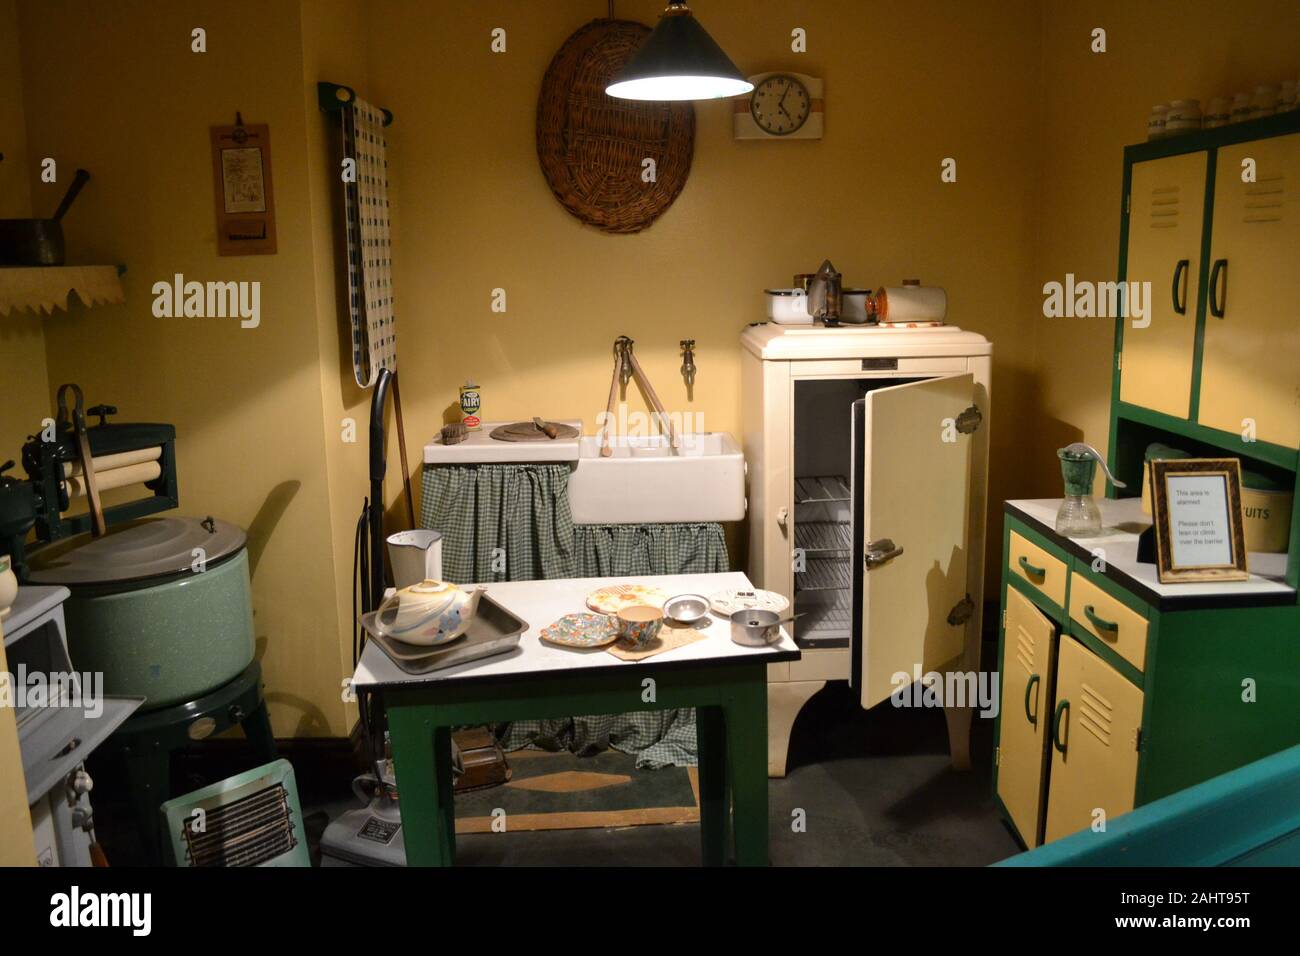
x: 686, y: 610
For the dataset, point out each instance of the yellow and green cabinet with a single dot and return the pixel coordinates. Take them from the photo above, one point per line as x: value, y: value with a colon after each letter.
x: 1117, y: 690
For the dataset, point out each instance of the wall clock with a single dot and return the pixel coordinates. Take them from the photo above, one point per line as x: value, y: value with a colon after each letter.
x: 781, y: 106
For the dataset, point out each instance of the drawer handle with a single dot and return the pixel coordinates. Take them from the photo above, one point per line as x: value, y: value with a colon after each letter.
x: 1058, y: 723
x: 1029, y: 569
x: 1100, y: 623
x: 1029, y: 688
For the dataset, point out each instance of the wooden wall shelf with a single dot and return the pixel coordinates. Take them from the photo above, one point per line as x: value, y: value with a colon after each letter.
x: 46, y: 288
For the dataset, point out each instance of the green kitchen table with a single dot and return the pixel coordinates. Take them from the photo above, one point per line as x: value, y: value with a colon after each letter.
x: 725, y: 682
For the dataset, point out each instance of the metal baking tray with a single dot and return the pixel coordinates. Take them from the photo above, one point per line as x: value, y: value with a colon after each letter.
x: 493, y: 630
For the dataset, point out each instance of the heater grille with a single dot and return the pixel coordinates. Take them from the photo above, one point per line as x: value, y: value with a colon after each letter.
x: 247, y: 832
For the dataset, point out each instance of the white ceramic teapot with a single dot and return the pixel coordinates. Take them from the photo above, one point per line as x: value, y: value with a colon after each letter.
x: 426, y: 614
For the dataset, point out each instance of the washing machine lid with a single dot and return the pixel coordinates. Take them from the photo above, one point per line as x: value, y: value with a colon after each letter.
x: 136, y: 550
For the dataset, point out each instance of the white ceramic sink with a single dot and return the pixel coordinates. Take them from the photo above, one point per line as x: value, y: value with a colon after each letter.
x: 646, y: 481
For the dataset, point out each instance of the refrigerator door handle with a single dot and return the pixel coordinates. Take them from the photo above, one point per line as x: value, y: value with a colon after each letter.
x: 880, y: 551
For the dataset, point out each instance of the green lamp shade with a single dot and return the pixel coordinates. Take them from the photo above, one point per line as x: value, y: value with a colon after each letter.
x: 678, y: 61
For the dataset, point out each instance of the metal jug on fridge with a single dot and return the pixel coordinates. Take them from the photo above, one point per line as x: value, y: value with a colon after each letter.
x: 824, y: 294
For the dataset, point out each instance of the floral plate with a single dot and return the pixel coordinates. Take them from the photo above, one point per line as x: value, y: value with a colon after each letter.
x: 582, y: 630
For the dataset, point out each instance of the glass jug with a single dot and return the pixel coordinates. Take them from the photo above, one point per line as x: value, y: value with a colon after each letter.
x: 1079, y: 516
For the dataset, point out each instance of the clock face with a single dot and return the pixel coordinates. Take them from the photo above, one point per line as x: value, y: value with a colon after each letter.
x: 780, y: 105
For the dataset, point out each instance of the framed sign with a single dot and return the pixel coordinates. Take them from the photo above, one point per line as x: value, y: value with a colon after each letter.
x: 1196, y: 507
x: 241, y: 174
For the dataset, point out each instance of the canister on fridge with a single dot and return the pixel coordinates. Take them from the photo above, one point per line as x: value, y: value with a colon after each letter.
x: 910, y: 302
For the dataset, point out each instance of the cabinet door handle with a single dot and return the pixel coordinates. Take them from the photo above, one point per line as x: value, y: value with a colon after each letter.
x: 1218, y: 305
x: 1030, y: 569
x: 1029, y: 688
x: 1058, y: 722
x: 1100, y: 623
x: 1181, y: 270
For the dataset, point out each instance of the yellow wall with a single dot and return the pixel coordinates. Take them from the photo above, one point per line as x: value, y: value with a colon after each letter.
x: 15, y: 197
x: 133, y: 104
x: 472, y: 211
x: 906, y: 86
x: 22, y: 341
x: 1093, y: 106
x: 1035, y: 122
x: 334, y: 49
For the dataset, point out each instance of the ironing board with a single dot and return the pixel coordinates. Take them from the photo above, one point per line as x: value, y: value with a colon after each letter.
x: 724, y: 681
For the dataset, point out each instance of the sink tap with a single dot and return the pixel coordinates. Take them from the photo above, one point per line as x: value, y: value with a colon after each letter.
x: 622, y: 347
x: 688, y: 361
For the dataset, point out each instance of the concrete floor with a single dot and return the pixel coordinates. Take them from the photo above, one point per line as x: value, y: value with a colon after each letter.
x: 876, y: 788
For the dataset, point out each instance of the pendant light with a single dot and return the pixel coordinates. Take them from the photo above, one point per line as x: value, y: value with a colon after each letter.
x: 678, y: 61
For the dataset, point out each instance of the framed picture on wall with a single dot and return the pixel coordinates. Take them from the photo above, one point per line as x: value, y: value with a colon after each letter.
x: 1196, y: 508
x: 241, y: 176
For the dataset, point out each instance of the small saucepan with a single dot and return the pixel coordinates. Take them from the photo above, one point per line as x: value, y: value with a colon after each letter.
x: 755, y: 628
x: 38, y: 242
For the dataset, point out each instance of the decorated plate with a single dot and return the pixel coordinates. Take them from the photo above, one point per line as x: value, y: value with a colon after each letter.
x: 728, y: 603
x: 582, y: 630
x: 612, y: 599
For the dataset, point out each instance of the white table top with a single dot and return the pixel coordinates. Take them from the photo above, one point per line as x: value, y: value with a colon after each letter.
x: 1122, y: 521
x: 540, y: 603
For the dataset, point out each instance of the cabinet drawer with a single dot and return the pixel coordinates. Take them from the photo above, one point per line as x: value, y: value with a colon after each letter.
x: 1109, y: 620
x: 1035, y: 565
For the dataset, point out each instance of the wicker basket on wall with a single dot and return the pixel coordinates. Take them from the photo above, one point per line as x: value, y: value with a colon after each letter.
x: 592, y: 147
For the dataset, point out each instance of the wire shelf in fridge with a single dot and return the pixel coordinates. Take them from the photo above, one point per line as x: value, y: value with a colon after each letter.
x: 821, y: 489
x: 823, y: 574
x: 822, y: 536
x: 825, y: 614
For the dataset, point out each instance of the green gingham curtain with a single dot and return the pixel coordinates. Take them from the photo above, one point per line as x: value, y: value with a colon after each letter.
x: 500, y: 522
x: 524, y: 510
x: 658, y: 738
x: 605, y: 550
